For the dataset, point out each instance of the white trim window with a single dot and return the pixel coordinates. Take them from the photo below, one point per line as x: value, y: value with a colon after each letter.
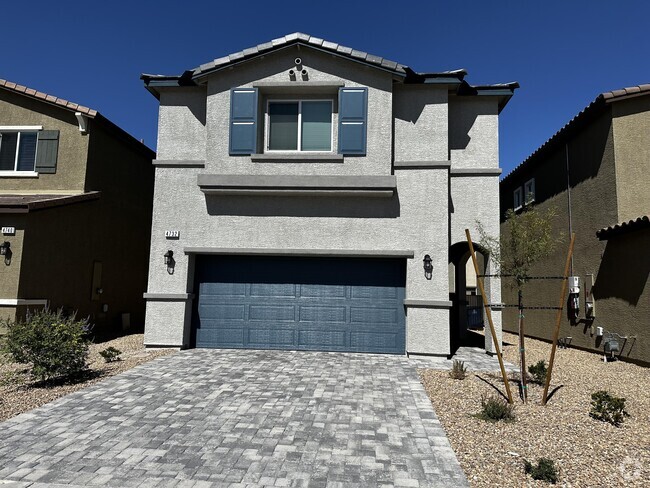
x: 529, y: 191
x: 518, y: 198
x: 18, y: 149
x: 299, y: 126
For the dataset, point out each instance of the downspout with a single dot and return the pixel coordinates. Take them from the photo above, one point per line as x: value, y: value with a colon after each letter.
x: 568, y: 189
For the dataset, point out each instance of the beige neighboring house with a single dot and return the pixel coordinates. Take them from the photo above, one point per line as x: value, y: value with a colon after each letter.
x: 75, y: 211
x: 596, y: 172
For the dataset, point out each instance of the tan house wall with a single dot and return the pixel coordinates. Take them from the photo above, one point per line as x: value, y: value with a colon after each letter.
x: 594, y: 205
x: 73, y: 146
x: 632, y: 148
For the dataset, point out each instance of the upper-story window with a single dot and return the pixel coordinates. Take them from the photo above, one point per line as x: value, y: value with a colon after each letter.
x: 529, y: 191
x: 518, y: 201
x: 299, y: 125
x: 18, y: 150
x: 28, y: 151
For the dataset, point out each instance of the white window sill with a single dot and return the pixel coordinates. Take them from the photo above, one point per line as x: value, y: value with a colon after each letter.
x: 18, y: 174
x: 296, y: 157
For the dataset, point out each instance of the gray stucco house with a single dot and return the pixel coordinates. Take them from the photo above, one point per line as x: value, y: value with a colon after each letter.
x: 311, y: 196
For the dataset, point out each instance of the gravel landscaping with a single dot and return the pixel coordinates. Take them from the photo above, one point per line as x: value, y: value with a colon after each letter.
x: 588, y: 452
x: 19, y: 393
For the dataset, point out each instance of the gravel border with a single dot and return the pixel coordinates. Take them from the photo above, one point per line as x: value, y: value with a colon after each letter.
x: 589, y: 453
x: 19, y: 393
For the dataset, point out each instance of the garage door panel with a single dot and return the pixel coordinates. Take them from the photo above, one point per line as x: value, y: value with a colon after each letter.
x: 373, y: 315
x: 282, y: 313
x: 273, y: 290
x: 223, y: 311
x: 323, y: 314
x: 374, y: 293
x: 218, y: 290
x: 322, y: 339
x: 263, y: 337
x: 227, y: 336
x: 323, y: 291
x: 330, y: 304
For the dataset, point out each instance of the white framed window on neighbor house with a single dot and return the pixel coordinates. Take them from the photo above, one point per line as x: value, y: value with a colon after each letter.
x: 518, y: 200
x: 18, y: 147
x: 299, y: 126
x: 529, y: 191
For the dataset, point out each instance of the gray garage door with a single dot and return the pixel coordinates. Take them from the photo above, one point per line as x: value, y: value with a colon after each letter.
x: 324, y: 304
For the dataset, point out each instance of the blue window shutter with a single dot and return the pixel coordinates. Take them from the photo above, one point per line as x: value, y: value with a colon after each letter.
x: 353, y: 120
x: 243, y: 121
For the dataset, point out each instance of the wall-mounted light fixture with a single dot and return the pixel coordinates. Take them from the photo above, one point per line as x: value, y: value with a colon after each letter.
x: 428, y: 266
x: 169, y: 261
x: 5, y: 251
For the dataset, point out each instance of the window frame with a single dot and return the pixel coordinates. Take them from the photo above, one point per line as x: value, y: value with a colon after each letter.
x: 267, y: 125
x: 18, y: 130
x: 528, y: 192
x: 517, y: 191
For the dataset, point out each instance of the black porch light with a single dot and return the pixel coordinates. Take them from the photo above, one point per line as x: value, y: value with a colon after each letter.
x: 428, y: 266
x: 4, y: 248
x: 169, y: 257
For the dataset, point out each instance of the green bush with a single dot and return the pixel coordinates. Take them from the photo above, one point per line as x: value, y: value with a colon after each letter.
x: 544, y: 471
x: 538, y: 372
x: 608, y: 408
x: 494, y: 408
x: 458, y: 370
x: 110, y: 354
x: 53, y: 344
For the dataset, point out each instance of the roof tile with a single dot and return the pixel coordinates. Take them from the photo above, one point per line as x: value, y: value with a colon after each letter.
x: 330, y: 45
x: 371, y: 58
x: 358, y: 54
x: 250, y: 51
x: 220, y: 61
x: 344, y: 50
x: 279, y: 41
x: 291, y: 37
x: 265, y: 47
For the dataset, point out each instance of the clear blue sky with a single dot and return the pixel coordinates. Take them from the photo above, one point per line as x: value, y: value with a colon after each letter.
x: 563, y: 53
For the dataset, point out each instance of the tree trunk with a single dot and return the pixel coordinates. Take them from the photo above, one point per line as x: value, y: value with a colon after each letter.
x: 522, y: 350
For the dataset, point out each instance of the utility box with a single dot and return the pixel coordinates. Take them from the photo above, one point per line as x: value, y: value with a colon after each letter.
x: 574, y: 285
x: 590, y: 304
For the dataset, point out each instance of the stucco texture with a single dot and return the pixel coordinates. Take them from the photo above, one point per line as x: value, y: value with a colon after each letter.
x: 619, y: 266
x: 73, y: 146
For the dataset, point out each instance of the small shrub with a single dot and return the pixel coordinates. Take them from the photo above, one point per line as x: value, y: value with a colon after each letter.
x: 494, y: 409
x: 544, y: 471
x: 458, y: 370
x: 538, y: 372
x: 111, y: 354
x: 53, y: 345
x: 608, y: 408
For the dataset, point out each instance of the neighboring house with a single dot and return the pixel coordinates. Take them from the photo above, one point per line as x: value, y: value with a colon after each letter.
x: 76, y: 194
x: 595, y: 172
x: 302, y: 187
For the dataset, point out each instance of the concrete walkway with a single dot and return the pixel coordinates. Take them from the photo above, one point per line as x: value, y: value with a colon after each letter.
x: 241, y: 418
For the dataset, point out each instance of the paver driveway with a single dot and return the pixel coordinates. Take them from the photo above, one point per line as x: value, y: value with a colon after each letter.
x: 248, y: 418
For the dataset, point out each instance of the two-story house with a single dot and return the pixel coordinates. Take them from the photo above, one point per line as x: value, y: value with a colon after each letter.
x: 76, y: 195
x: 311, y: 196
x: 595, y: 173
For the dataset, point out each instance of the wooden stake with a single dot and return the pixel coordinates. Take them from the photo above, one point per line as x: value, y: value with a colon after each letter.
x: 558, y: 319
x: 522, y: 350
x: 488, y: 313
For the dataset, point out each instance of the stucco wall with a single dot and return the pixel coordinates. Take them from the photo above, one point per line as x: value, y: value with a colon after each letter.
x: 593, y: 206
x: 321, y: 68
x: 631, y: 125
x: 420, y: 114
x: 407, y: 221
x: 473, y: 132
x: 181, y: 124
x: 10, y: 273
x: 73, y: 146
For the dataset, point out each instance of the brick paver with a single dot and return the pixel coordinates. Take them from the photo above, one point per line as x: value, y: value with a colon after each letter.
x: 241, y: 418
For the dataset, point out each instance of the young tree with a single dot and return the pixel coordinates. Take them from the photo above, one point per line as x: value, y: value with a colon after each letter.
x: 527, y: 238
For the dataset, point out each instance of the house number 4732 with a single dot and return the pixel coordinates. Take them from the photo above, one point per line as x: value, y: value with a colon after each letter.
x: 8, y: 230
x: 172, y: 234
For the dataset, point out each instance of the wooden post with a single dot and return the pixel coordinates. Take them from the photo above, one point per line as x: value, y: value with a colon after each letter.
x: 558, y: 319
x: 488, y: 313
x: 522, y: 350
